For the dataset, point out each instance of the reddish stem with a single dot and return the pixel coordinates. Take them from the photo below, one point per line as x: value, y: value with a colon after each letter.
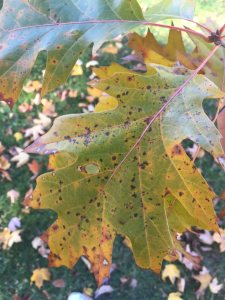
x: 166, y: 104
x: 222, y: 29
x: 200, y: 25
x: 113, y: 21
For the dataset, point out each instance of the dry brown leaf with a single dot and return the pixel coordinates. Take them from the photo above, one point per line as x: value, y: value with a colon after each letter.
x: 4, y: 163
x: 39, y: 276
x: 59, y: 283
x: 34, y: 167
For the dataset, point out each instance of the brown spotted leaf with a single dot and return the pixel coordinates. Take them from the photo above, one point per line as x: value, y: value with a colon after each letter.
x: 155, y: 194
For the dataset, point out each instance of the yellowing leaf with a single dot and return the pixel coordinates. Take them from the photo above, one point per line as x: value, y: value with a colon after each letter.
x: 155, y: 194
x: 4, y: 163
x: 39, y: 276
x: 77, y: 70
x: 106, y: 103
x: 172, y: 272
x: 8, y: 238
x: 175, y: 296
x: 151, y: 51
x: 18, y: 136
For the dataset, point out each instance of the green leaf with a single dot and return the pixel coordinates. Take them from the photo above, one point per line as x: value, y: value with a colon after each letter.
x: 170, y: 9
x: 29, y: 27
x: 155, y: 194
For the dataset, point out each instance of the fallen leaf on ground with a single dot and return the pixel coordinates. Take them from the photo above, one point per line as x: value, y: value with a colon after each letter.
x: 104, y: 289
x: 175, y: 296
x: 14, y: 224
x: 181, y: 285
x: 220, y: 239
x: 34, y: 167
x: 59, y: 283
x: 214, y: 286
x: 34, y: 132
x: 206, y: 237
x: 172, y: 272
x: 204, y: 278
x: 4, y: 163
x: 13, y: 195
x: 32, y: 86
x: 39, y: 276
x: 21, y: 158
x: 18, y: 136
x: 8, y: 238
x: 2, y: 148
x: 25, y: 107
x: 77, y: 70
x: 48, y: 108
x: 78, y: 296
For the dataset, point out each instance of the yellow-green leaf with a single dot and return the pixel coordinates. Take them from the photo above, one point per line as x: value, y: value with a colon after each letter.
x: 155, y: 194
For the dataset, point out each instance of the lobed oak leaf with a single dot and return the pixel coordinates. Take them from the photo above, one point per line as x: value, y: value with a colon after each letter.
x: 149, y: 49
x: 21, y: 158
x: 204, y: 278
x: 8, y: 238
x: 155, y: 194
x: 172, y: 272
x: 219, y: 237
x: 214, y: 286
x: 39, y: 276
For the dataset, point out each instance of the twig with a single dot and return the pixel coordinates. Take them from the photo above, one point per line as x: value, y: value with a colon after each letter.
x: 108, y: 22
x: 151, y: 120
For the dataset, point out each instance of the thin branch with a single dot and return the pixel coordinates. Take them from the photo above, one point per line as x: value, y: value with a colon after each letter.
x: 222, y: 29
x: 198, y: 24
x: 111, y: 21
x: 166, y: 104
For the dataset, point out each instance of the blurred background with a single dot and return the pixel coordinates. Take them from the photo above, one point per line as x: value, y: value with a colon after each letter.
x: 23, y: 255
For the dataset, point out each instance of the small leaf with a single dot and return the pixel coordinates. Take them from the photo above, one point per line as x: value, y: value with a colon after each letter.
x: 39, y: 276
x: 175, y: 296
x: 172, y: 272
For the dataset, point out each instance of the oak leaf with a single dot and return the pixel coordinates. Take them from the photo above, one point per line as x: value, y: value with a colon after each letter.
x: 172, y: 272
x: 155, y: 194
x: 39, y: 276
